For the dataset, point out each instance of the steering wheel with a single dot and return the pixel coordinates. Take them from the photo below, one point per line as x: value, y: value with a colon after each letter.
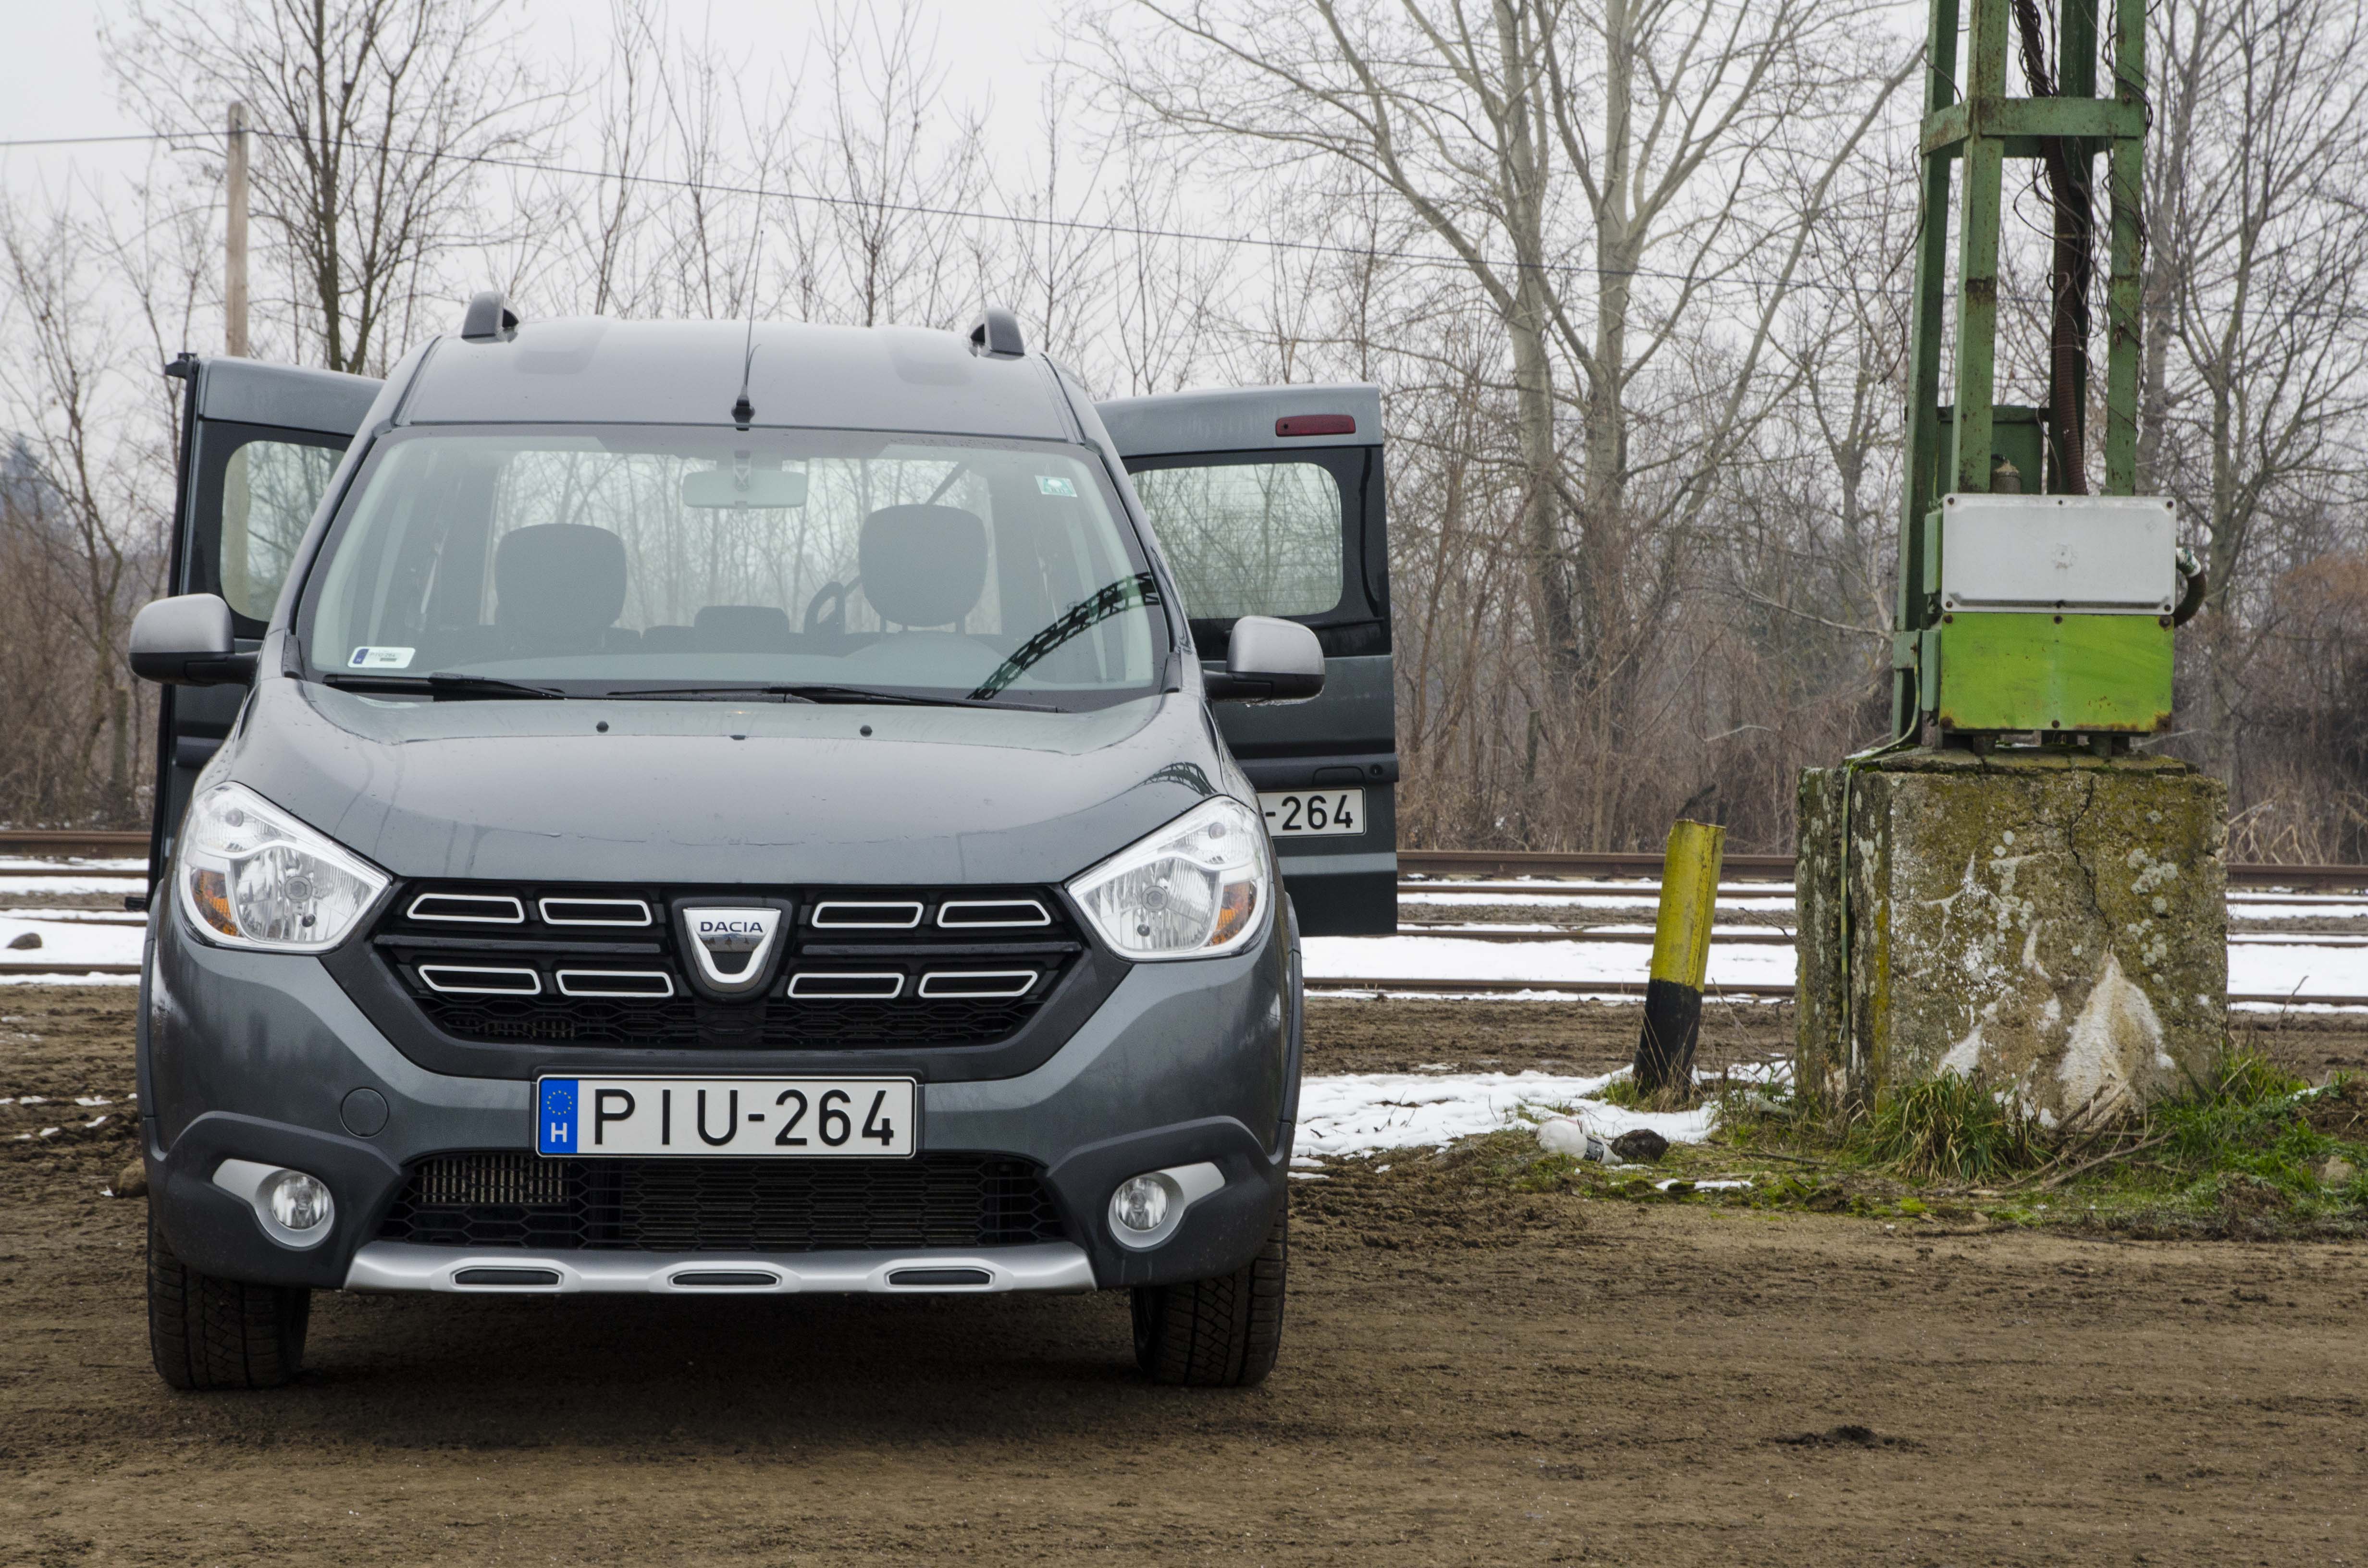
x: 826, y: 611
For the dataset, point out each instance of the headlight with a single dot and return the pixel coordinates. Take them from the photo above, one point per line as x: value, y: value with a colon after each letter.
x: 251, y: 876
x: 1195, y: 888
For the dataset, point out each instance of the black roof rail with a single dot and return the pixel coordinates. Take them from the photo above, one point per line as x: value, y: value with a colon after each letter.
x: 490, y: 318
x: 997, y: 336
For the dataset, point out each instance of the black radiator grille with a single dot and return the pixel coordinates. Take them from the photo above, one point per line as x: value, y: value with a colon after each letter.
x: 521, y: 978
x: 501, y: 1199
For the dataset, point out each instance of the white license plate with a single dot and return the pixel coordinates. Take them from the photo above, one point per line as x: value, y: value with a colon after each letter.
x: 1300, y: 813
x: 757, y: 1116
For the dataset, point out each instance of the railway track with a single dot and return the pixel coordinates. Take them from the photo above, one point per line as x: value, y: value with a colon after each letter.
x: 78, y: 843
x: 1771, y: 991
x: 1432, y: 863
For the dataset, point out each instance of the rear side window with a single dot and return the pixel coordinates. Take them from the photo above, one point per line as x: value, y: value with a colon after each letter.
x: 269, y: 490
x: 1249, y: 538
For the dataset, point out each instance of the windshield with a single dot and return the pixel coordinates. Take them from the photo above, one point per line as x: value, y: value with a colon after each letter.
x: 661, y: 560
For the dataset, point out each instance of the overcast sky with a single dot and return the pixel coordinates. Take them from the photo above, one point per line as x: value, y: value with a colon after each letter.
x: 52, y: 82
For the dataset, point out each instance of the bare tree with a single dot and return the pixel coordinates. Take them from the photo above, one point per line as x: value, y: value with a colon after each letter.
x: 375, y: 121
x: 2256, y: 372
x: 76, y: 557
x: 896, y: 157
x: 1614, y: 176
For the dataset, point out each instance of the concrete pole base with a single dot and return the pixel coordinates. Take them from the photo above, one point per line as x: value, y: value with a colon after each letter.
x: 2054, y: 922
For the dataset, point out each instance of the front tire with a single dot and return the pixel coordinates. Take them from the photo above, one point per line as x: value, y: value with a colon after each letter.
x: 206, y: 1334
x: 1221, y: 1332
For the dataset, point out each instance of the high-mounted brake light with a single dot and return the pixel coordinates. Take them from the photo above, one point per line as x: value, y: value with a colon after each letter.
x: 1317, y: 425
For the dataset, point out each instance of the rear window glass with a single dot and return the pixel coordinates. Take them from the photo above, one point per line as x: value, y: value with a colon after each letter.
x: 269, y: 489
x: 1248, y: 538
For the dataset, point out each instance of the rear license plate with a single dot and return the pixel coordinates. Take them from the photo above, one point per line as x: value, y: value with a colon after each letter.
x: 770, y: 1117
x: 1299, y: 813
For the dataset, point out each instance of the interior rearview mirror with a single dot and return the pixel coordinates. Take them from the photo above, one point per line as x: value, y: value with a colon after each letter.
x: 1268, y: 660
x: 187, y: 641
x: 735, y: 488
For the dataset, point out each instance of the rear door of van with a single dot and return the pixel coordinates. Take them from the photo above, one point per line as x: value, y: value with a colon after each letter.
x: 1269, y: 501
x: 259, y: 444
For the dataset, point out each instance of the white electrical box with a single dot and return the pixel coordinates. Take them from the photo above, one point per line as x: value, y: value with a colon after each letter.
x: 2096, y: 554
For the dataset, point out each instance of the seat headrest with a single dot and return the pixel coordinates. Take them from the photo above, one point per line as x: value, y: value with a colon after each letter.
x: 741, y: 629
x: 557, y: 587
x: 923, y: 565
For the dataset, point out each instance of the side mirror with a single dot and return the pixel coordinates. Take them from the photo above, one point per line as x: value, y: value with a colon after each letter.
x: 1268, y: 661
x: 187, y: 641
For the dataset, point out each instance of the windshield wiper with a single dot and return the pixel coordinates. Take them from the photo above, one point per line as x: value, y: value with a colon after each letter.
x: 715, y: 693
x: 910, y: 699
x: 805, y: 693
x: 443, y: 685
x: 1109, y: 599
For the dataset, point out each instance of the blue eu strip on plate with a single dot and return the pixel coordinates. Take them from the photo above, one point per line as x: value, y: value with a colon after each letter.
x: 554, y: 1129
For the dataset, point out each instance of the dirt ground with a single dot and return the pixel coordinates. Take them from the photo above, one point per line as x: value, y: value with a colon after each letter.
x: 1469, y: 1376
x: 1395, y: 1035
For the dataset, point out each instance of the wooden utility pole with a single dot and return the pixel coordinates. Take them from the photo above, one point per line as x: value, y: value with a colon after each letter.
x: 234, y: 249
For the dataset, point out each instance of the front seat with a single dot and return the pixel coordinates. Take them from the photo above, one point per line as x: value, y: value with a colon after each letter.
x: 923, y: 565
x: 558, y: 587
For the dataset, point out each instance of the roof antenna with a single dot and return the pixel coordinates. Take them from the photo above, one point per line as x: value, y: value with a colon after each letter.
x: 742, y: 412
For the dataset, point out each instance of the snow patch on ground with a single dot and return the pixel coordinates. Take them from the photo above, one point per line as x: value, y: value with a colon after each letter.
x: 1573, y: 962
x: 69, y: 945
x: 1357, y: 1113
x: 65, y: 978
x: 2277, y: 970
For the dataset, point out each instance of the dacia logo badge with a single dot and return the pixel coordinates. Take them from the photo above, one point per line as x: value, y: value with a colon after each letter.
x: 732, y: 946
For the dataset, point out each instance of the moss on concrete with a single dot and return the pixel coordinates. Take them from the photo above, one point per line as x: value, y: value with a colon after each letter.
x: 2055, y: 922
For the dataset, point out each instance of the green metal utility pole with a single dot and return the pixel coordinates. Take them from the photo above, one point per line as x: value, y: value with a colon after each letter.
x: 2014, y: 901
x: 2024, y: 616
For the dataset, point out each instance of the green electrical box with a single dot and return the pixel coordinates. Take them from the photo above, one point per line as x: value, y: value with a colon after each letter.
x: 2049, y: 613
x: 2028, y: 605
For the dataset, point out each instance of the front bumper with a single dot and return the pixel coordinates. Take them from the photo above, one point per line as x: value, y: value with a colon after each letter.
x: 264, y: 1057
x: 497, y: 1271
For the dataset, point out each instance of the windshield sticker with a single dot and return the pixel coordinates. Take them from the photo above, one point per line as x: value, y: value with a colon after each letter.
x: 380, y: 659
x: 1051, y: 485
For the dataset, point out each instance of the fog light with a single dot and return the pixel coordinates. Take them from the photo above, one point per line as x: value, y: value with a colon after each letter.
x: 1141, y: 1203
x: 299, y: 1202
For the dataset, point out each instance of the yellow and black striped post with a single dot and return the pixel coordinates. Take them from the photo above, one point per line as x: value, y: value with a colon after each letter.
x: 1665, y: 1052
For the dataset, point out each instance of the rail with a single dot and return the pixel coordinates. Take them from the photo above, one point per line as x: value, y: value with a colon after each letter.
x: 87, y: 842
x: 1772, y: 868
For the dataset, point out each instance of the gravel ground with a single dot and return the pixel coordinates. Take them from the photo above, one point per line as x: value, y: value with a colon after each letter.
x: 1469, y: 1376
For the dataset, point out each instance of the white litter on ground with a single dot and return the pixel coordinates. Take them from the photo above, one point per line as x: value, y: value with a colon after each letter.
x: 1736, y: 1185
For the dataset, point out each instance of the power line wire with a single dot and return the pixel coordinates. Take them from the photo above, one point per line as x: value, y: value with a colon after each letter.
x: 964, y: 214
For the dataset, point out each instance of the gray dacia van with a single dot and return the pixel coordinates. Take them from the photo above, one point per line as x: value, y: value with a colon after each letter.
x: 704, y: 808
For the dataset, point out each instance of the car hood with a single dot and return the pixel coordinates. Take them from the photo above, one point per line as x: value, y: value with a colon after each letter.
x: 720, y: 793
